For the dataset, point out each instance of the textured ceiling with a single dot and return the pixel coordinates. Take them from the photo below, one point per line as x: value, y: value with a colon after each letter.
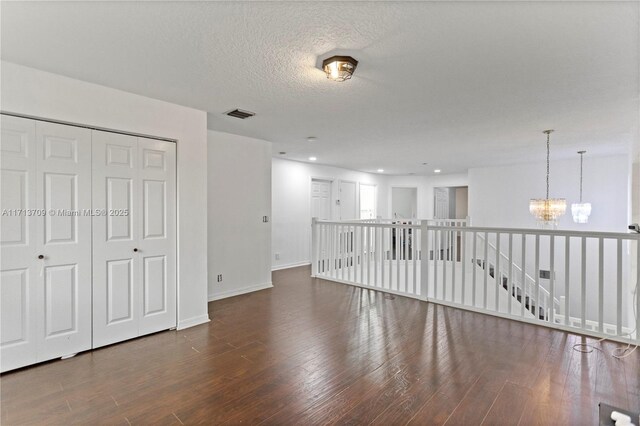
x: 454, y: 84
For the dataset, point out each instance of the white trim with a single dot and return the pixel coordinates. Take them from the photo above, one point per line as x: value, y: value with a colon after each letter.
x: 290, y: 265
x: 192, y: 322
x: 239, y: 291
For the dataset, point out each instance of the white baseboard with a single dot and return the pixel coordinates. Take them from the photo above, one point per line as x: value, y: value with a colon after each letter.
x: 290, y: 265
x: 191, y: 322
x: 239, y: 291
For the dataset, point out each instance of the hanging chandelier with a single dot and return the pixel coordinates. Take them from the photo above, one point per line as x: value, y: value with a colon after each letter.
x: 547, y: 210
x: 581, y: 211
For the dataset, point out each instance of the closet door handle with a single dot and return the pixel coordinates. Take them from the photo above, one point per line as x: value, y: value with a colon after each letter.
x: 135, y: 250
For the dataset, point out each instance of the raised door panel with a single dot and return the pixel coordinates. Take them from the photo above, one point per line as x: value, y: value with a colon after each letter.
x: 119, y: 201
x: 61, y: 204
x: 120, y: 289
x: 63, y: 163
x: 116, y: 279
x: 61, y: 301
x: 14, y: 223
x: 157, y: 203
x: 19, y: 314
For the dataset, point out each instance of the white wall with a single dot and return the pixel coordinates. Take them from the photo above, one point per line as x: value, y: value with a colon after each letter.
x: 32, y: 92
x: 291, y: 205
x: 499, y: 196
x: 404, y: 202
x: 239, y: 196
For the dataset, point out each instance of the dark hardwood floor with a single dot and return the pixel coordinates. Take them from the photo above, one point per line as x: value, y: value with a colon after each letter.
x: 312, y: 352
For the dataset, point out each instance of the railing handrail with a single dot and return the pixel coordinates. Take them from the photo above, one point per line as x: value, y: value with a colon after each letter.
x: 542, y: 232
x: 372, y: 224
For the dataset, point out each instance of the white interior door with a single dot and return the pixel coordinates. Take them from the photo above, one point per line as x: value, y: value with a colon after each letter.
x: 115, y: 237
x: 348, y: 201
x: 321, y: 199
x: 63, y: 191
x: 18, y: 247
x: 441, y: 196
x: 156, y: 200
x: 134, y: 243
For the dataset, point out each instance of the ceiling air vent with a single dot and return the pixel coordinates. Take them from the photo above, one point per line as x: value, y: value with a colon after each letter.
x: 239, y: 113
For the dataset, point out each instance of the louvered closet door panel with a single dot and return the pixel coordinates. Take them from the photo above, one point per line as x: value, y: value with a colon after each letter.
x: 157, y: 244
x: 18, y: 247
x: 64, y: 239
x: 116, y: 288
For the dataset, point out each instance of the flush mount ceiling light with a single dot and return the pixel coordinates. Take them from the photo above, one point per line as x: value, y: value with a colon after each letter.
x: 437, y: 171
x: 581, y: 211
x: 312, y: 139
x: 312, y: 158
x: 547, y: 210
x: 339, y: 68
x: 380, y: 170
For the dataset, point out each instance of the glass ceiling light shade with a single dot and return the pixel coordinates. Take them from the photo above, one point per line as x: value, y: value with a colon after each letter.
x: 339, y: 68
x: 547, y: 210
x: 581, y: 211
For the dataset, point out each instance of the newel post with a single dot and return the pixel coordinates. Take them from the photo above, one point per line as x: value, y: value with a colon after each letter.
x: 314, y: 246
x: 424, y: 259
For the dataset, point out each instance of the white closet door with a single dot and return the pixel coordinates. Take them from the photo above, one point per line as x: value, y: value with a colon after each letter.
x: 18, y: 250
x: 115, y: 237
x: 134, y: 182
x: 157, y: 240
x: 63, y: 173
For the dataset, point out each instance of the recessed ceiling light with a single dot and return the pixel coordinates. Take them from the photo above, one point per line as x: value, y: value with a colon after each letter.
x: 312, y: 158
x: 380, y: 170
x: 339, y: 68
x: 437, y: 171
x: 312, y: 139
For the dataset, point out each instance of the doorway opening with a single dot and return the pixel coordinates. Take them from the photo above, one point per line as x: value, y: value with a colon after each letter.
x: 367, y: 201
x: 404, y: 203
x: 451, y: 202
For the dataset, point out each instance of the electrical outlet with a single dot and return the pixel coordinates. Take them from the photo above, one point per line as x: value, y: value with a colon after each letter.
x: 277, y: 256
x: 219, y: 278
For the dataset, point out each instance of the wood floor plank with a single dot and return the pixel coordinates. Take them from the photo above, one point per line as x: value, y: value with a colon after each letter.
x: 316, y: 352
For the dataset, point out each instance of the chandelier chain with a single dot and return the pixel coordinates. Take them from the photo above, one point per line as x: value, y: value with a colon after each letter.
x: 548, y: 133
x: 581, y: 159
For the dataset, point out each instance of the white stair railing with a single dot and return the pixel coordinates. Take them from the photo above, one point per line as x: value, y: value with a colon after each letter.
x: 592, y: 292
x: 528, y: 290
